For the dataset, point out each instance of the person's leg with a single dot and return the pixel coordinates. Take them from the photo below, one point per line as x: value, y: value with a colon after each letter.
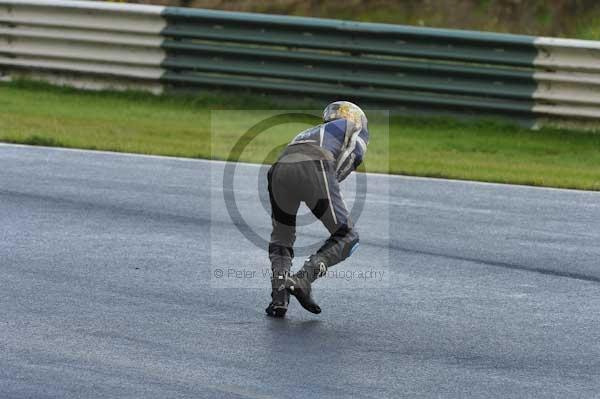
x: 343, y: 239
x: 326, y: 203
x: 284, y: 206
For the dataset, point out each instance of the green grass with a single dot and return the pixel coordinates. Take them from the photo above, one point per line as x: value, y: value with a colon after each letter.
x: 39, y: 114
x: 588, y: 29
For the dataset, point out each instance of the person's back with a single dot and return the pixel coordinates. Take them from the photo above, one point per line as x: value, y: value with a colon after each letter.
x: 309, y: 171
x: 343, y: 135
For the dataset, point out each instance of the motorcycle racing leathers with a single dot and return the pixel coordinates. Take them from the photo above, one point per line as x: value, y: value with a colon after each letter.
x: 310, y: 170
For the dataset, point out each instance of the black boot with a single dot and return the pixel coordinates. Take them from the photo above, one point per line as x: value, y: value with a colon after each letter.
x: 279, y: 295
x: 299, y: 284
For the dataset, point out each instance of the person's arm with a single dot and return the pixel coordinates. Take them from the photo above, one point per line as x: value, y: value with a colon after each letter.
x: 350, y: 160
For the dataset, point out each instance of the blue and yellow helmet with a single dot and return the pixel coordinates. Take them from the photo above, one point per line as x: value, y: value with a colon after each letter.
x: 345, y: 110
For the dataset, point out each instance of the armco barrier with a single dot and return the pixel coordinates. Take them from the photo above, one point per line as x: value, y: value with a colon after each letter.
x: 433, y: 69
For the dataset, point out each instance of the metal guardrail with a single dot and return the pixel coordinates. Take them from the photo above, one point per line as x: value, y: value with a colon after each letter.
x: 434, y: 69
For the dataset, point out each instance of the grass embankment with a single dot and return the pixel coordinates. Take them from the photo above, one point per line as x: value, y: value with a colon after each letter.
x: 176, y: 126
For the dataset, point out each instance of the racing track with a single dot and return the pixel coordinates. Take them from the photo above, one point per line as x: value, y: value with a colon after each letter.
x: 107, y: 288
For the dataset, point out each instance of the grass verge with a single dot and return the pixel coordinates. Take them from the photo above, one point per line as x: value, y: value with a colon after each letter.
x: 39, y: 114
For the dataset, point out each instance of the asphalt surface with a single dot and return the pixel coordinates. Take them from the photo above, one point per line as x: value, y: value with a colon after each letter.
x: 109, y: 288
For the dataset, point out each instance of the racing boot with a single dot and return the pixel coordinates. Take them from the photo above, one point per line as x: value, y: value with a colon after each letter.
x: 280, y: 297
x: 299, y: 285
